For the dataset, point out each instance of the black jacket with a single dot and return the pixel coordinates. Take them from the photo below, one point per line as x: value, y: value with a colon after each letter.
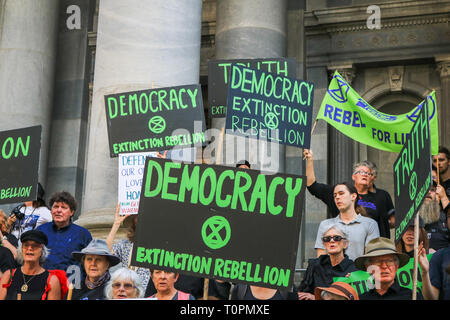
x: 320, y: 273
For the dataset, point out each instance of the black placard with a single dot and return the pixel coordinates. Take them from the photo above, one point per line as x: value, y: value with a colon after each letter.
x: 219, y: 222
x: 146, y: 120
x: 219, y: 77
x: 412, y: 173
x: 262, y: 105
x: 19, y: 164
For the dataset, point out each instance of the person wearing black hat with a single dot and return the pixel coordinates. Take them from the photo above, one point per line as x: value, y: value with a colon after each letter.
x: 31, y: 281
x: 29, y: 215
x: 96, y: 260
x: 243, y: 164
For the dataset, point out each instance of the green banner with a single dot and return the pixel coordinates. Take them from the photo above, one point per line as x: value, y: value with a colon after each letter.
x: 362, y: 282
x: 344, y: 109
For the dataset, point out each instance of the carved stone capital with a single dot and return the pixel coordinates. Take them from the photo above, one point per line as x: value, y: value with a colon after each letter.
x: 396, y: 78
x: 443, y: 67
x: 348, y: 72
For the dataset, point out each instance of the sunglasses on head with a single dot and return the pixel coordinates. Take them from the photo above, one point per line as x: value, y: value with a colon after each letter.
x: 335, y: 238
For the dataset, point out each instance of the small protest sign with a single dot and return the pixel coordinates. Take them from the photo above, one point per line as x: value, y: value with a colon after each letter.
x: 131, y: 172
x: 155, y: 119
x: 219, y: 77
x: 19, y: 164
x: 219, y: 222
x: 412, y: 173
x: 262, y: 105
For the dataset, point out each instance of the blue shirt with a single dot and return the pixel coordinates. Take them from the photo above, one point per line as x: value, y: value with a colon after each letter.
x: 440, y: 260
x: 62, y: 242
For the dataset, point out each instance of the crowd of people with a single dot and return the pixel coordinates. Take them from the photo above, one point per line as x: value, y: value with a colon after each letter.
x: 45, y: 256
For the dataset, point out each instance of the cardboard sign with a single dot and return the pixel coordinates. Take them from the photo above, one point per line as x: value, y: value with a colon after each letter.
x: 219, y: 222
x: 412, y: 173
x: 19, y: 164
x: 219, y: 77
x: 131, y: 171
x: 155, y: 120
x: 262, y: 105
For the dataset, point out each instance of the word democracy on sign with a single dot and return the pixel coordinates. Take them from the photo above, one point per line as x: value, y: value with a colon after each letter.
x: 159, y: 178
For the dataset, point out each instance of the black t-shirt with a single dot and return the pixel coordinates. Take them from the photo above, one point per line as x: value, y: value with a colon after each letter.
x: 243, y: 292
x: 7, y: 261
x: 377, y: 204
x: 84, y: 293
x: 438, y: 233
x: 36, y: 286
x: 395, y: 292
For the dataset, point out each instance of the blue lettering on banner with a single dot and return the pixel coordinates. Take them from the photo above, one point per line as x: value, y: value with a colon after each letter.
x: 367, y: 204
x: 343, y: 116
x: 364, y: 105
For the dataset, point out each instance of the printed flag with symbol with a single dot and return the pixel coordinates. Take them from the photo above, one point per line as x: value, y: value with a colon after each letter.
x: 344, y: 109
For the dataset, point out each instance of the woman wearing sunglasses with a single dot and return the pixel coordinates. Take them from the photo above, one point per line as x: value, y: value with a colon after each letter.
x: 335, y: 263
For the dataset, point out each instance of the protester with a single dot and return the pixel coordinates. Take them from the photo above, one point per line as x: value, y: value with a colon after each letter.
x: 96, y: 260
x: 382, y: 261
x: 322, y: 270
x: 249, y: 292
x: 435, y: 274
x: 360, y: 229
x: 336, y: 291
x: 406, y: 242
x: 64, y: 237
x: 124, y: 284
x: 377, y: 204
x: 32, y: 281
x: 30, y: 215
x: 7, y: 240
x: 7, y: 261
x: 435, y: 220
x: 391, y: 219
x: 124, y: 247
x: 443, y: 167
x: 243, y: 164
x: 164, y: 282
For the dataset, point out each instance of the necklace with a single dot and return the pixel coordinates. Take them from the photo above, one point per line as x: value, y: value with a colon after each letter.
x: 24, y: 287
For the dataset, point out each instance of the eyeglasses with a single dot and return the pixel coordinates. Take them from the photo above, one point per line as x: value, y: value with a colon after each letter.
x: 127, y: 286
x: 364, y: 173
x: 335, y: 238
x: 379, y: 263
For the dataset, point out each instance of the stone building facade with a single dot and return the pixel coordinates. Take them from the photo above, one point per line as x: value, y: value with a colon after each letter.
x: 58, y: 58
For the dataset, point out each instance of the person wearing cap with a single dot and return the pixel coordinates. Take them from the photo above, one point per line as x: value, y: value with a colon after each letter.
x: 243, y: 164
x: 96, y: 260
x: 406, y: 242
x: 382, y: 261
x: 322, y: 270
x: 32, y: 281
x: 64, y: 237
x: 336, y: 291
x: 32, y: 213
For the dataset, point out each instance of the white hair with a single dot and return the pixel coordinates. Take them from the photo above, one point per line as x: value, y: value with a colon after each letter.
x: 42, y: 258
x: 125, y: 274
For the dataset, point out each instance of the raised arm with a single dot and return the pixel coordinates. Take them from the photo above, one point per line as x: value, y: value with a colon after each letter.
x: 310, y: 175
x: 118, y: 219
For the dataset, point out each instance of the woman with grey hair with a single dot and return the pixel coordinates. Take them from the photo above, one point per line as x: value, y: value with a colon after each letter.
x: 335, y: 263
x: 31, y: 281
x: 124, y: 284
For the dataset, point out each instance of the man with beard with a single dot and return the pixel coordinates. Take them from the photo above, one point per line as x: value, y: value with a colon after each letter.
x: 435, y: 220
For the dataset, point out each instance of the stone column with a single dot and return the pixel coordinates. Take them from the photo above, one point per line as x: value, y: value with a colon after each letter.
x: 341, y: 155
x: 28, y: 37
x: 443, y: 67
x: 140, y: 44
x: 251, y: 29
